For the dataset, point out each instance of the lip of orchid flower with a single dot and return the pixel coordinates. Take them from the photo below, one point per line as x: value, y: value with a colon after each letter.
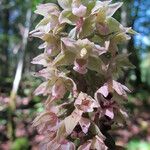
x: 80, y: 66
x: 86, y: 103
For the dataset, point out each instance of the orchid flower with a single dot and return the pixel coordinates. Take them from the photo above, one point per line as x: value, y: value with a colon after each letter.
x: 82, y: 53
x: 57, y: 85
x: 47, y: 121
x: 112, y: 86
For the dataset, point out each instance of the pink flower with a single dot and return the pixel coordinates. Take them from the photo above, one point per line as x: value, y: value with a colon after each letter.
x: 56, y: 84
x: 86, y: 103
x: 111, y: 86
x: 46, y: 122
x: 76, y: 119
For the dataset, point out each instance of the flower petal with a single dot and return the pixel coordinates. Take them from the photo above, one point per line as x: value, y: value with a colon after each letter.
x: 67, y: 16
x: 58, y: 90
x: 85, y: 124
x: 47, y: 9
x: 109, y: 112
x: 113, y: 8
x: 103, y: 90
x: 72, y: 120
x: 65, y: 4
x: 79, y: 11
x: 85, y: 146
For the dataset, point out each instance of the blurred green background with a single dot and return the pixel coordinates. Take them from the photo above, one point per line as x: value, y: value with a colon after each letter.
x: 18, y: 106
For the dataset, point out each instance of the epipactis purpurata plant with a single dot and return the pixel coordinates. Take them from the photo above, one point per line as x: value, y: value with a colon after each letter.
x: 81, y: 63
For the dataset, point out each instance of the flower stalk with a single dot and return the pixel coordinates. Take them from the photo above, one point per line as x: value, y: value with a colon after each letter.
x: 81, y: 64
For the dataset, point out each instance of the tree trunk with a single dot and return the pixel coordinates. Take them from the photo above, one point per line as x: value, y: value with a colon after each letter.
x: 18, y: 74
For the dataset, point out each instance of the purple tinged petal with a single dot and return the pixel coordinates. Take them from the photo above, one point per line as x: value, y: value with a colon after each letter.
x: 103, y: 29
x: 41, y: 89
x: 85, y: 124
x: 79, y: 11
x: 103, y: 90
x: 98, y: 143
x: 47, y: 9
x: 109, y: 112
x: 72, y: 120
x: 58, y: 90
x: 67, y: 145
x: 120, y: 89
x: 85, y: 146
x: 41, y: 60
x: 47, y: 121
x: 68, y: 42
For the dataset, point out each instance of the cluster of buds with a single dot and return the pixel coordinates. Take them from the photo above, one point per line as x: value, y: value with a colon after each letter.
x: 81, y: 64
